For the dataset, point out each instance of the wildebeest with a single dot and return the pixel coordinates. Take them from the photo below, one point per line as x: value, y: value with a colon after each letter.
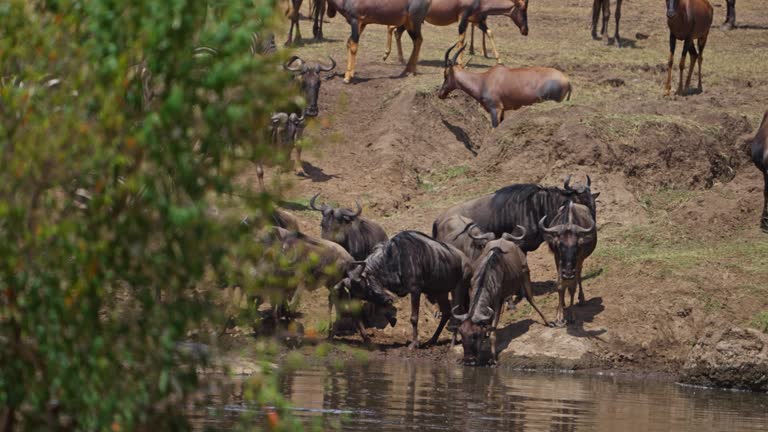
x: 500, y: 88
x: 572, y: 236
x: 279, y: 218
x: 759, y: 150
x: 687, y: 20
x: 308, y: 76
x: 413, y: 263
x: 457, y: 231
x: 360, y: 13
x: 500, y: 273
x: 346, y: 227
x: 520, y: 204
x: 605, y: 5
x: 448, y: 12
x: 286, y: 129
x: 730, y: 15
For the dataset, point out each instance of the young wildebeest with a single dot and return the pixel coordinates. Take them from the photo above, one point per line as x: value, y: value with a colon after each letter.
x: 448, y: 12
x: 521, y: 204
x: 413, y: 263
x: 359, y: 13
x: 500, y: 88
x: 571, y: 237
x: 286, y: 130
x: 605, y: 5
x: 687, y: 20
x: 344, y: 226
x: 759, y: 148
x: 500, y: 273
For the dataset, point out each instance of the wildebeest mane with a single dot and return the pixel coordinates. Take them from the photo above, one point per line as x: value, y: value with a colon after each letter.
x: 409, y: 254
x: 521, y: 204
x: 358, y: 243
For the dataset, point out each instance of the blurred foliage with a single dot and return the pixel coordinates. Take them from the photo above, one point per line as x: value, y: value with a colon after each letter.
x: 116, y: 146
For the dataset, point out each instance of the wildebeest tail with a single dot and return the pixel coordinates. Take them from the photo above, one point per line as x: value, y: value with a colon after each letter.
x: 434, y: 230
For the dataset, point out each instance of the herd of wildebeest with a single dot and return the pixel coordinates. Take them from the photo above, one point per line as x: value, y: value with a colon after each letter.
x: 474, y: 261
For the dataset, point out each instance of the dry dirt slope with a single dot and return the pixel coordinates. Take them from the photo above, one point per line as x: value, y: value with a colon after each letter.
x: 679, y: 247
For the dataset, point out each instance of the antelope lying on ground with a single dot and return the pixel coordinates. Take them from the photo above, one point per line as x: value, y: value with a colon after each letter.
x: 500, y: 88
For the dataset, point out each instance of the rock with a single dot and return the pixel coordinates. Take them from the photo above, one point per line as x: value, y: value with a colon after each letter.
x: 729, y: 358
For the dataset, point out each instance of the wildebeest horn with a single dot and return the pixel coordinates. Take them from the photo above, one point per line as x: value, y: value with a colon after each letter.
x: 567, y: 184
x: 582, y: 230
x: 486, y: 236
x: 456, y: 54
x: 589, y: 181
x: 459, y: 317
x: 510, y: 237
x: 489, y: 314
x: 329, y: 68
x: 323, y: 207
x: 353, y: 213
x: 287, y: 65
x: 545, y: 229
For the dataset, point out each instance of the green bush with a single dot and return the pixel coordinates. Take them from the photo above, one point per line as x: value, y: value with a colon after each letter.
x: 107, y: 177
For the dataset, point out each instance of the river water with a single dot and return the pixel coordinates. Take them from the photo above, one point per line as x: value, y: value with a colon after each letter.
x: 400, y: 395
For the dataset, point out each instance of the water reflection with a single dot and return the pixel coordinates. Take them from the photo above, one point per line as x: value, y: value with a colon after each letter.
x: 397, y: 395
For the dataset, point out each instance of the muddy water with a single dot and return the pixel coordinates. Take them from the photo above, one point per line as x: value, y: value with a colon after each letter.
x: 398, y: 395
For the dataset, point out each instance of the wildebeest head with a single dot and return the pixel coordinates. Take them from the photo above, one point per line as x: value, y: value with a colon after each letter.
x: 519, y: 16
x: 364, y: 285
x: 566, y: 239
x: 582, y: 194
x: 335, y: 220
x: 479, y: 241
x: 450, y: 65
x: 309, y: 80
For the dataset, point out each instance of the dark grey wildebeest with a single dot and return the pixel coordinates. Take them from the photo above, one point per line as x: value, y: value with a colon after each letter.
x: 520, y: 204
x: 413, y: 263
x: 759, y: 150
x: 346, y: 227
x: 500, y: 273
x: 572, y: 237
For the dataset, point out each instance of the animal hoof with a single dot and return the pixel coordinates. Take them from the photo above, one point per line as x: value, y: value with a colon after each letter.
x: 301, y: 173
x: 557, y: 324
x: 413, y: 346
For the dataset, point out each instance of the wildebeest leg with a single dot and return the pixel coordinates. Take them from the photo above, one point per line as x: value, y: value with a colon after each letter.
x: 596, y: 4
x: 764, y: 220
x: 352, y: 43
x: 582, y: 299
x: 445, y: 310
x: 702, y: 42
x: 415, y: 35
x: 331, y: 300
x: 572, y: 292
x: 472, y: 40
x: 260, y: 176
x: 415, y: 299
x: 694, y: 56
x: 484, y: 28
x: 495, y: 325
x: 606, y: 18
x: 559, y: 318
x: 361, y: 330
x: 686, y: 47
x: 528, y: 290
x: 618, y: 18
x: 672, y: 43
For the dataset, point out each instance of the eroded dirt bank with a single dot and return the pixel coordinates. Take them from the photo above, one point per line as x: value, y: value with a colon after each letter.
x: 679, y: 251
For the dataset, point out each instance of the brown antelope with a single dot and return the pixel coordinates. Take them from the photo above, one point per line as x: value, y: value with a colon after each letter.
x: 360, y: 13
x: 500, y: 88
x: 605, y: 5
x: 687, y: 20
x: 448, y: 12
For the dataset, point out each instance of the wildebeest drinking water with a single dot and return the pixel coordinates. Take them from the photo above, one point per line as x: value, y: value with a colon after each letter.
x: 500, y: 88
x: 688, y: 20
x: 572, y: 237
x: 759, y: 150
x: 413, y: 263
x: 360, y: 13
x: 346, y: 227
x: 520, y: 204
x: 448, y: 12
x: 500, y: 273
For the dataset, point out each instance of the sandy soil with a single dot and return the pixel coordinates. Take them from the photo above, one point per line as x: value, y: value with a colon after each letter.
x: 679, y: 249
